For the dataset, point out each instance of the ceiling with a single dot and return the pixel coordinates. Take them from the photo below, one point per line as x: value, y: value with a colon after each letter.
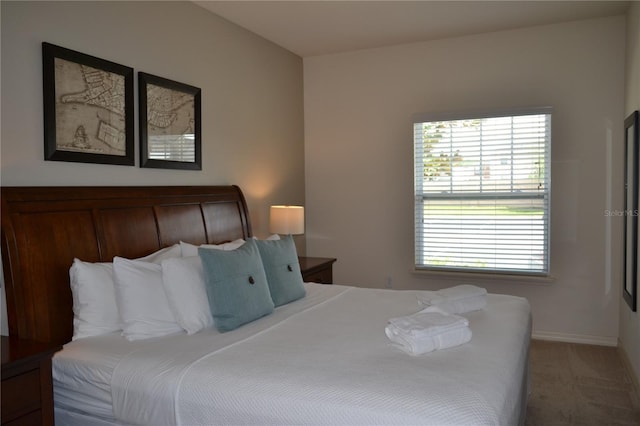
x: 310, y: 28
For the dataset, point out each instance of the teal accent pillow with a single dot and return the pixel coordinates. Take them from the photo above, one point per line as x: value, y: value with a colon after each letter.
x: 280, y: 261
x: 236, y: 285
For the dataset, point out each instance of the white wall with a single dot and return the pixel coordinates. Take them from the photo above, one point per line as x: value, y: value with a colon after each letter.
x: 359, y: 159
x: 630, y: 321
x: 252, y: 119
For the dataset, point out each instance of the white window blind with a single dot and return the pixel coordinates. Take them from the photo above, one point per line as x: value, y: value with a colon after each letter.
x: 482, y: 193
x: 172, y: 147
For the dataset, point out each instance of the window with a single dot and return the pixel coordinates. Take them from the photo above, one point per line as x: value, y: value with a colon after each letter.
x: 482, y: 193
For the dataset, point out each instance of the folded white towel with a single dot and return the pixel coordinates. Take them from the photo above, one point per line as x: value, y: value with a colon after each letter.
x: 451, y: 293
x: 459, y: 306
x: 420, y: 346
x: 427, y: 323
x: 427, y: 331
x: 455, y: 300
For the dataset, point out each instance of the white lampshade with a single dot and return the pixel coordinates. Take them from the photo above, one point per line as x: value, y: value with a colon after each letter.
x: 287, y: 220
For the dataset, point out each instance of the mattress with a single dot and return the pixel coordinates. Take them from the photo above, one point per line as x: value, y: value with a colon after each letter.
x: 82, y: 373
x: 322, y: 359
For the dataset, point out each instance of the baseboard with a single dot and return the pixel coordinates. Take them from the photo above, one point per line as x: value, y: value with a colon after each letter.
x: 635, y: 380
x: 575, y: 338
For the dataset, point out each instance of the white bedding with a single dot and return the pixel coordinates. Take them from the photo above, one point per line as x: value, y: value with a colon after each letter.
x: 324, y: 359
x: 82, y: 373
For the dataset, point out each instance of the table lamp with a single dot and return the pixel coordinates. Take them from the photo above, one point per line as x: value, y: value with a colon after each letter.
x: 287, y: 220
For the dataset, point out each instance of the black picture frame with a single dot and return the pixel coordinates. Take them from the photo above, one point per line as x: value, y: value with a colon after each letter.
x: 88, y: 108
x: 630, y: 272
x: 170, y: 124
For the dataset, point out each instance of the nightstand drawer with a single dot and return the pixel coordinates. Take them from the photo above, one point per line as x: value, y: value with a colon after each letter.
x: 27, y: 388
x: 32, y: 419
x: 321, y: 277
x: 20, y: 395
x: 317, y: 269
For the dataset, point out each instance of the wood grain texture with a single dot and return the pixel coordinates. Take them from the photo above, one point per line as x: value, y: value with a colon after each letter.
x: 45, y: 228
x: 27, y: 387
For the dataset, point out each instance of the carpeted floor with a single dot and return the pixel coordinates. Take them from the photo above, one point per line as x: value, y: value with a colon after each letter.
x: 576, y: 384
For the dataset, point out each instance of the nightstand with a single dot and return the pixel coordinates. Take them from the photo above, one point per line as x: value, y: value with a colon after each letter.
x: 27, y: 388
x: 317, y: 269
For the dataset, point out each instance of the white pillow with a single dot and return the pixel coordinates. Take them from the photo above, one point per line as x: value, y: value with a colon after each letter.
x: 94, y: 301
x: 190, y: 250
x: 162, y: 254
x: 142, y: 302
x: 95, y: 311
x: 183, y: 281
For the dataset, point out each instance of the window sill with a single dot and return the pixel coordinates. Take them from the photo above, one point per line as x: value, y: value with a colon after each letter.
x: 481, y: 276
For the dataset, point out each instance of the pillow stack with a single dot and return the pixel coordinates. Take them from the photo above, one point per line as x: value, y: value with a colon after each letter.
x: 248, y: 283
x: 185, y: 288
x: 93, y: 288
x: 236, y: 285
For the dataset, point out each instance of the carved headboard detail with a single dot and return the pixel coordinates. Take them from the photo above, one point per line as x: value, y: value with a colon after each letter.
x: 44, y: 228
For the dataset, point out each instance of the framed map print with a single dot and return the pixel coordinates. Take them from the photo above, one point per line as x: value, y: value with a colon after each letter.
x: 88, y: 108
x: 170, y: 129
x: 631, y: 187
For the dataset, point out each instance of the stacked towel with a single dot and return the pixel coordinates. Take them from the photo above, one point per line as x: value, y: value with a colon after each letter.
x: 454, y: 300
x: 424, y: 332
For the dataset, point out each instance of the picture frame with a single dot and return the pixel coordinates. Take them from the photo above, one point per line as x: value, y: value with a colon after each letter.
x: 88, y: 108
x: 630, y: 282
x: 170, y: 123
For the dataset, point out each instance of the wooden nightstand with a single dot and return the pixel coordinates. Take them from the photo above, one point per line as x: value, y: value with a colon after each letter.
x: 27, y: 389
x: 317, y: 269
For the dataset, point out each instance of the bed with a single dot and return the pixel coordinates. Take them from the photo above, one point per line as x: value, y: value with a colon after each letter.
x: 321, y: 359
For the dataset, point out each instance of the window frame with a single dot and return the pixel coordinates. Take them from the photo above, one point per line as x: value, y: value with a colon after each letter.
x: 420, y: 195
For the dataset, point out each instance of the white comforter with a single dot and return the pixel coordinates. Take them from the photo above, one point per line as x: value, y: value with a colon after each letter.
x: 325, y: 359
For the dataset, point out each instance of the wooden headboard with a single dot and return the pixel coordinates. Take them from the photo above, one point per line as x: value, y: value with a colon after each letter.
x: 44, y: 228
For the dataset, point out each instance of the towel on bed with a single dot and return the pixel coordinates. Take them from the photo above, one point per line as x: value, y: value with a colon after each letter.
x: 424, y: 332
x: 454, y: 300
x: 459, y: 306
